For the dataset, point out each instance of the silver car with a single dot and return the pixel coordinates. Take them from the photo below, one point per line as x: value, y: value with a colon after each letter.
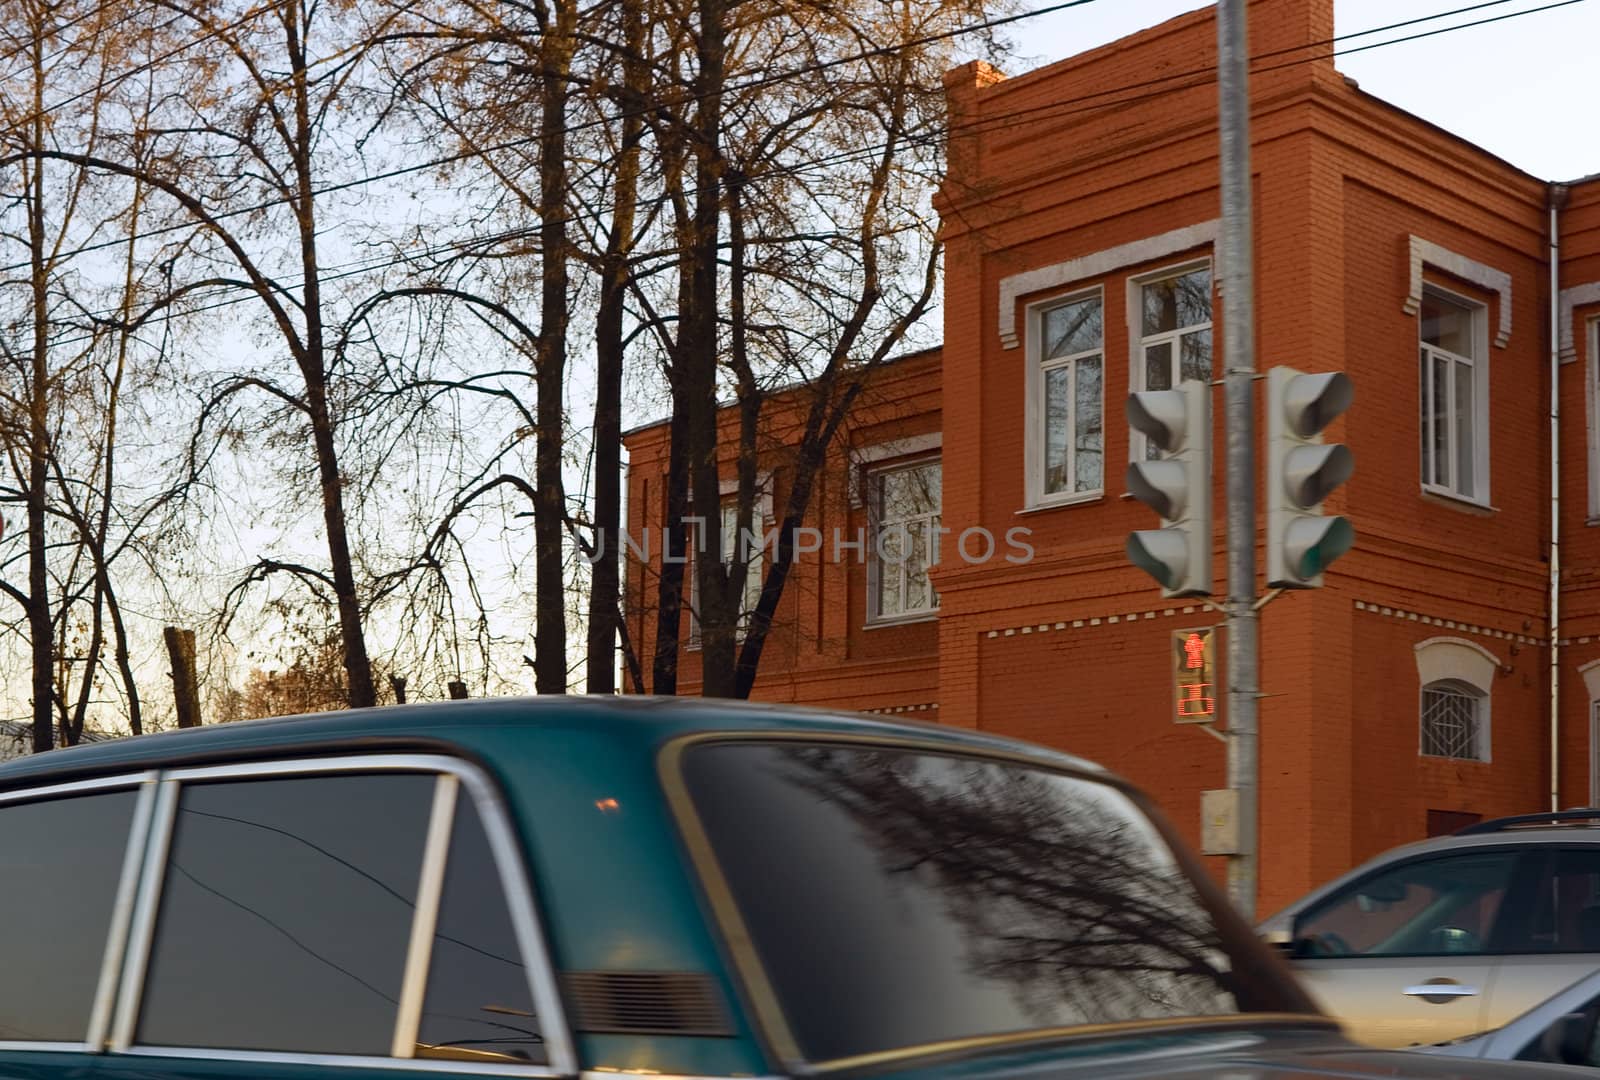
x: 1454, y: 935
x: 1564, y: 1028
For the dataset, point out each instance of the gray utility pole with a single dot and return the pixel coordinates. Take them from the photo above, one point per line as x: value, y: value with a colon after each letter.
x: 1238, y: 352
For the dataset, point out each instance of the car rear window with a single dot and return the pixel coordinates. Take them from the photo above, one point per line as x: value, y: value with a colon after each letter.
x: 901, y: 898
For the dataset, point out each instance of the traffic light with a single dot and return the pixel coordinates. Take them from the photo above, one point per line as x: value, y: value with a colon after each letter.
x: 1301, y: 471
x: 1177, y: 486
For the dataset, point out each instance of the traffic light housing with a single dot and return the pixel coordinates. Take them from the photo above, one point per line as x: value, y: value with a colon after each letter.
x: 1301, y: 471
x: 1177, y: 486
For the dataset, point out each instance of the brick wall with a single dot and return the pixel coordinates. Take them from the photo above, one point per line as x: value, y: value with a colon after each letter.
x: 1118, y: 146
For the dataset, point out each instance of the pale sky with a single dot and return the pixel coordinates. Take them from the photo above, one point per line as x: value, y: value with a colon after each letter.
x: 1524, y: 88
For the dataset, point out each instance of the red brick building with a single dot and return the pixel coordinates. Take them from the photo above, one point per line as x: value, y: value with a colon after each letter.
x: 1080, y: 220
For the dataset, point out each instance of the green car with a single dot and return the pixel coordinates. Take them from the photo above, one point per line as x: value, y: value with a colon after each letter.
x: 570, y: 887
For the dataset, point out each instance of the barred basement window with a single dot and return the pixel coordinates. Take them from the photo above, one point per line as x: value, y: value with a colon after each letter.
x: 1452, y: 721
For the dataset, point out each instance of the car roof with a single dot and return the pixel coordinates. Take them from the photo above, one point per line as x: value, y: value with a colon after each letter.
x: 1519, y: 835
x: 1549, y: 834
x: 447, y: 725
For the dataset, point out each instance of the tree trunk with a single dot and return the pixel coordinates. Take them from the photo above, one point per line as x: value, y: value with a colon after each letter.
x: 604, y: 586
x: 549, y: 521
x: 185, y: 680
x: 698, y: 347
x: 360, y: 691
x: 39, y: 623
x: 674, y: 551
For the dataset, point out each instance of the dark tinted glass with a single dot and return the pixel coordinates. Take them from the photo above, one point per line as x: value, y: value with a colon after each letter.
x: 62, y: 860
x: 898, y: 899
x: 285, y: 914
x: 1433, y: 907
x: 478, y: 1006
x: 1566, y: 905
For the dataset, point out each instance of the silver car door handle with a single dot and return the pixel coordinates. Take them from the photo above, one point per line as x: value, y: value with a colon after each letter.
x: 1440, y: 990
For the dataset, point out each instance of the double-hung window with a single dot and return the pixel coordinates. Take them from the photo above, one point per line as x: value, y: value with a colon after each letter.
x: 905, y: 519
x: 1592, y: 345
x: 1174, y: 330
x: 1454, y: 421
x: 1066, y: 400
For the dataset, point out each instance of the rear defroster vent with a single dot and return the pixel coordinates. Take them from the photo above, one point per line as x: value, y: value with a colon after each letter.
x: 646, y: 1003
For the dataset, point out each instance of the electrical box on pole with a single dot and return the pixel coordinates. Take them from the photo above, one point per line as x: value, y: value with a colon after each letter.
x: 1176, y: 485
x: 1301, y: 472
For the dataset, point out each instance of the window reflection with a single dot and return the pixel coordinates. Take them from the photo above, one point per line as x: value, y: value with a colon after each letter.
x: 63, y: 862
x: 285, y: 914
x: 898, y: 899
x: 478, y: 1005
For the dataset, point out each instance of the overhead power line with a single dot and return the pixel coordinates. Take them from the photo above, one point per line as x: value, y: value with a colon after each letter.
x: 1126, y: 94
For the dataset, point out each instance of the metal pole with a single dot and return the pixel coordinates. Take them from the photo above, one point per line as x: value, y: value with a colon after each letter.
x: 1238, y: 352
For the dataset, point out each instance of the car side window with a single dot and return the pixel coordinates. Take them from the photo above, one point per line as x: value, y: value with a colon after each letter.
x: 285, y: 914
x: 1429, y: 907
x: 478, y: 1006
x: 63, y: 861
x: 1566, y: 905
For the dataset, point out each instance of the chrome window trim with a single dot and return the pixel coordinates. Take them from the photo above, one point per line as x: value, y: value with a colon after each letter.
x: 359, y: 1061
x: 510, y: 865
x: 425, y: 921
x: 73, y: 787
x: 519, y: 896
x: 603, y: 1073
x: 51, y: 1047
x: 105, y: 995
x: 142, y: 925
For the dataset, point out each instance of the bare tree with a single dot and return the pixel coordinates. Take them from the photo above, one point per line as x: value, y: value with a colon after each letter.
x: 819, y: 172
x: 243, y: 146
x: 64, y: 389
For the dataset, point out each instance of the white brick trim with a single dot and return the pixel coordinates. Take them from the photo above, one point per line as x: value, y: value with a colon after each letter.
x: 1426, y: 253
x: 1456, y: 658
x: 1447, y: 624
x: 1591, y: 678
x: 1100, y: 262
x: 862, y: 456
x: 1568, y: 301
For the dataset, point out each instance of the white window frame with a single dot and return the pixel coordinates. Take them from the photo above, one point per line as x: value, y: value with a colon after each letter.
x: 1138, y: 341
x: 1034, y: 441
x: 1594, y: 752
x: 1590, y: 672
x: 1591, y: 339
x: 1479, y: 363
x: 874, y: 565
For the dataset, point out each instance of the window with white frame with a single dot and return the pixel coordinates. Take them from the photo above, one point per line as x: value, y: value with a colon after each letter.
x: 1174, y: 317
x: 1453, y: 720
x: 1066, y: 402
x: 744, y: 544
x: 904, y: 510
x: 1454, y: 396
x: 1594, y: 753
x: 1592, y: 345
